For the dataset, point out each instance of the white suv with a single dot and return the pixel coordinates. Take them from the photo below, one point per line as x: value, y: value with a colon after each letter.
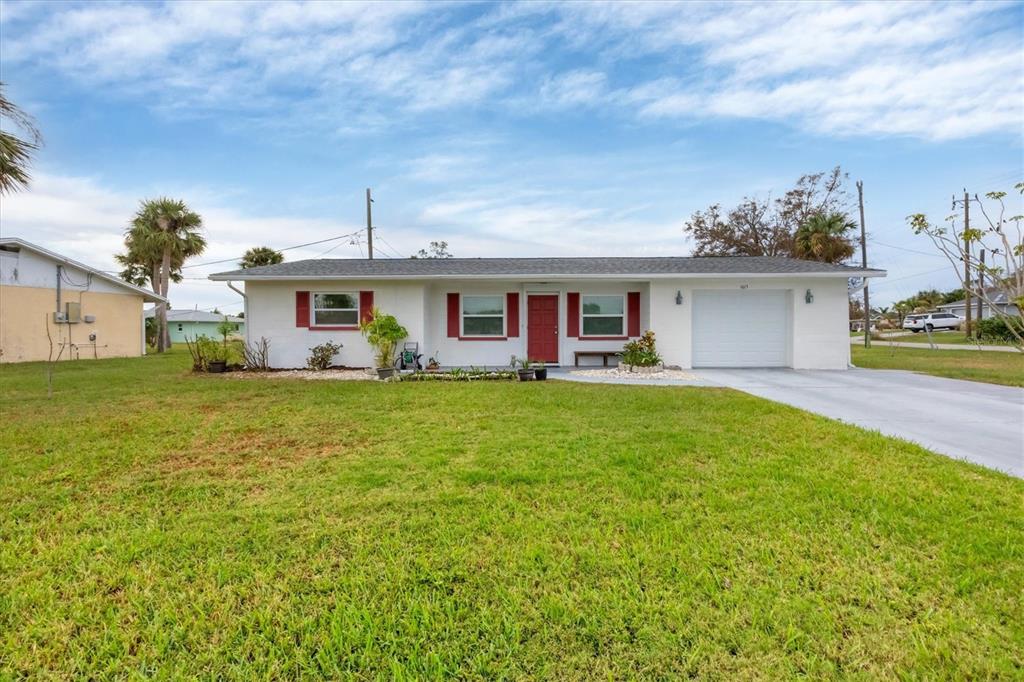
x: 930, y: 321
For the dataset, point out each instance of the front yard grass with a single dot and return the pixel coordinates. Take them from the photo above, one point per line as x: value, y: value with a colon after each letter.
x: 991, y: 367
x: 956, y: 337
x: 159, y: 524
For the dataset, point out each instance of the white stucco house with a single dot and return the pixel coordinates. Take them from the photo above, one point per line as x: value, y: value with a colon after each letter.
x: 705, y: 312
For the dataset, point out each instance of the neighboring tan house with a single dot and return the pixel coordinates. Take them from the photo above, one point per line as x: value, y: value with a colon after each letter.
x: 54, y: 307
x: 196, y: 323
x: 999, y: 298
x: 705, y: 312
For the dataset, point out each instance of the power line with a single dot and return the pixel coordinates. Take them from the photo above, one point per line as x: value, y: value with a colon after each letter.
x: 287, y: 248
x: 393, y: 249
x: 887, y: 281
x: 901, y: 248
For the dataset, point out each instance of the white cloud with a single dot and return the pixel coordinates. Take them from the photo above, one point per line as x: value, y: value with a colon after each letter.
x: 932, y: 70
x: 82, y: 219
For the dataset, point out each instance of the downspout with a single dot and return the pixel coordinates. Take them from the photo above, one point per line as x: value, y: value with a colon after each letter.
x: 58, y: 288
x: 245, y: 307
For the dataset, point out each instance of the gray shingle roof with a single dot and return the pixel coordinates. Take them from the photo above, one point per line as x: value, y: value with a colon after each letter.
x: 361, y: 268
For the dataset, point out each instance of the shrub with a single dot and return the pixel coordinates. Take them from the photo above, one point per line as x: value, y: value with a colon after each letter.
x: 998, y: 328
x: 205, y: 350
x: 383, y: 333
x: 256, y: 357
x: 321, y: 356
x: 641, y: 353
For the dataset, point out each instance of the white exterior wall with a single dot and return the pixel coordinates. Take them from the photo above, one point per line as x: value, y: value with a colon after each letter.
x: 30, y: 269
x: 497, y: 353
x: 270, y: 313
x: 818, y: 331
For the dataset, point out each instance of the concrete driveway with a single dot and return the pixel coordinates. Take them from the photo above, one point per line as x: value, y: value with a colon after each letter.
x: 981, y: 423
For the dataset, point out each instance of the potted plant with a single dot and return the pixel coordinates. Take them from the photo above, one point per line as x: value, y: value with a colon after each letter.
x: 383, y: 333
x: 432, y: 364
x: 216, y: 355
x: 525, y: 372
x: 540, y: 371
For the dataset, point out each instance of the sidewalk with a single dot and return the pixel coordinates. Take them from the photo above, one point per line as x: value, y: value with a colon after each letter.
x: 937, y: 346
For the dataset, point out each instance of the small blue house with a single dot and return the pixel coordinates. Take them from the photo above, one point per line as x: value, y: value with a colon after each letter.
x: 194, y: 323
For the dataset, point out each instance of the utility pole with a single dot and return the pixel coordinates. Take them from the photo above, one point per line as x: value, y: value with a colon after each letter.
x: 369, y: 224
x: 864, y: 264
x: 967, y: 261
x: 981, y: 284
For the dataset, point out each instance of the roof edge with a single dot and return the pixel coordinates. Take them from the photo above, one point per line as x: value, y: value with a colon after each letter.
x: 147, y: 295
x: 234, y: 277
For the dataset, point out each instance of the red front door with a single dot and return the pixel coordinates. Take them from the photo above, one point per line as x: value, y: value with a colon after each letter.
x: 542, y: 327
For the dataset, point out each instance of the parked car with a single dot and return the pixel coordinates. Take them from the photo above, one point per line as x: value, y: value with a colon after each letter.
x: 930, y: 321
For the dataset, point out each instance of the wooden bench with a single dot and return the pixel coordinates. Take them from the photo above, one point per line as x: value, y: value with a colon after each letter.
x: 603, y: 354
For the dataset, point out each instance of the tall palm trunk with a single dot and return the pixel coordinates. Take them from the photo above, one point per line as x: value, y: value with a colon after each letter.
x: 154, y: 280
x: 165, y: 283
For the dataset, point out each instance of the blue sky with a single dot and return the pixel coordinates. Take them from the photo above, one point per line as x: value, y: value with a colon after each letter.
x: 505, y: 129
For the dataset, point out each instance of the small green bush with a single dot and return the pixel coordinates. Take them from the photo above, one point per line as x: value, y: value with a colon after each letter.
x: 383, y: 332
x: 320, y: 356
x: 642, y: 352
x: 999, y: 328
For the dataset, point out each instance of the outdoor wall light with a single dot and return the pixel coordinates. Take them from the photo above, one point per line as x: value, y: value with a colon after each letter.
x: 809, y: 297
x: 679, y: 297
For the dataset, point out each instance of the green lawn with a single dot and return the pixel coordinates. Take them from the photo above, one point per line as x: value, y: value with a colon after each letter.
x: 947, y: 337
x: 988, y: 366
x: 159, y: 524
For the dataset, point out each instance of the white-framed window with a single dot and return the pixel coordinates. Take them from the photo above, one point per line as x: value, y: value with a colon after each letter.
x: 483, y: 315
x: 603, y: 315
x: 335, y: 309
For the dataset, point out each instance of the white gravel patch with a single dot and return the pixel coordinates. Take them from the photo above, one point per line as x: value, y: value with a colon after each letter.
x: 615, y: 373
x: 309, y: 375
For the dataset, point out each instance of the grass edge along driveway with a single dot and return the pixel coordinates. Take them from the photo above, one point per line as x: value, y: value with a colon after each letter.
x: 156, y: 523
x: 986, y: 366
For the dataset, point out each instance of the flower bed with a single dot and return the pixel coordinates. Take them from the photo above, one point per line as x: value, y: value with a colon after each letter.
x: 473, y: 374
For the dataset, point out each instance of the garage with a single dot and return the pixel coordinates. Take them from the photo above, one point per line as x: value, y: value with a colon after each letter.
x: 740, y: 328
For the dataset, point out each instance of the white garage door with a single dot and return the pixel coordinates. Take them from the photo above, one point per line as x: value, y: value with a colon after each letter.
x: 740, y: 329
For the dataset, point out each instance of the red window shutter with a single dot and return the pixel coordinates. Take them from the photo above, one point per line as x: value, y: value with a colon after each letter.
x: 572, y: 304
x: 302, y: 309
x: 633, y: 313
x: 365, y: 306
x: 512, y: 314
x: 453, y: 316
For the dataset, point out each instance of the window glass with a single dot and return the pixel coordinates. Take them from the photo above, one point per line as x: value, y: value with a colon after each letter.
x: 602, y: 305
x: 603, y: 315
x: 483, y: 315
x: 341, y: 309
x: 602, y: 326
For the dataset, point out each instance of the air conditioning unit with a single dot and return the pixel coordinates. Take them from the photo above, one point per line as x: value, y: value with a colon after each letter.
x: 73, y: 312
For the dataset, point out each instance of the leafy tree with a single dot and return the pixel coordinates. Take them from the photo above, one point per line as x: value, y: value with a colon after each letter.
x: 16, y: 152
x: 163, y: 234
x: 1002, y: 239
x: 435, y: 250
x: 261, y: 255
x: 750, y: 229
x: 766, y: 227
x: 825, y: 238
x: 954, y: 296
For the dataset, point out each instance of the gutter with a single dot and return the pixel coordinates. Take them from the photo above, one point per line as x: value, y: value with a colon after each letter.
x: 541, y: 277
x: 245, y: 306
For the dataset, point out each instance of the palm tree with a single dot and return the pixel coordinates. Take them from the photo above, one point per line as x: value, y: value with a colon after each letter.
x: 163, y: 234
x: 825, y: 238
x: 261, y: 255
x: 16, y: 152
